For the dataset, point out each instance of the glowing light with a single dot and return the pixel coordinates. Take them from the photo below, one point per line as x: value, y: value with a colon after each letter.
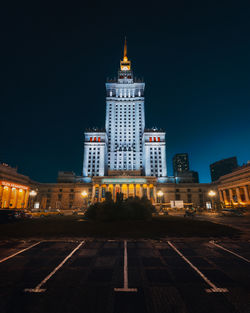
x: 84, y: 194
x: 33, y: 193
x: 211, y: 193
x: 159, y: 193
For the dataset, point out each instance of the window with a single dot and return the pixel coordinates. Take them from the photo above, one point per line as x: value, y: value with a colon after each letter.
x: 177, y: 197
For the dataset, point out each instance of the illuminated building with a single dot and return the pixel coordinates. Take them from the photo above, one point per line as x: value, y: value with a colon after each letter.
x: 14, y: 188
x: 125, y: 147
x: 234, y: 188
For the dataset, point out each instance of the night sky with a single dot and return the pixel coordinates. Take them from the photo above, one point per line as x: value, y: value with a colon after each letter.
x: 193, y: 56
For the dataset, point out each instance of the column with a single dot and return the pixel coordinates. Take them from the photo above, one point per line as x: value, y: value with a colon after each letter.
x: 9, y: 197
x: 127, y: 190
x: 154, y: 194
x: 141, y: 191
x: 93, y: 193
x: 114, y: 192
x: 246, y: 193
x: 148, y: 192
x: 225, y: 195
x: 1, y: 196
x: 100, y: 193
x: 231, y: 195
x: 134, y: 190
x: 221, y: 196
x: 238, y: 194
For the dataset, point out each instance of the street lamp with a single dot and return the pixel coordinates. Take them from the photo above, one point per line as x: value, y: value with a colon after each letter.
x: 212, y: 194
x: 32, y: 194
x: 84, y: 195
x: 160, y: 196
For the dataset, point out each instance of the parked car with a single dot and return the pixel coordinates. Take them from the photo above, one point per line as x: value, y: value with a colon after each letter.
x: 8, y: 215
x: 190, y: 213
x: 44, y: 213
x: 231, y: 212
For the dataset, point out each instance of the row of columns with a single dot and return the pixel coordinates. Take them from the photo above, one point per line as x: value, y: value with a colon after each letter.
x: 115, y: 188
x: 229, y: 197
x: 13, y: 197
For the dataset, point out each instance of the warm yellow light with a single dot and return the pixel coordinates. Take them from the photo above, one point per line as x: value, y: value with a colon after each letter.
x: 33, y: 193
x: 159, y: 193
x: 211, y: 193
x: 84, y: 194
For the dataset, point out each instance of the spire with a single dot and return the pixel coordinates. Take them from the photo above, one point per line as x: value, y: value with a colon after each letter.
x: 125, y: 64
x: 125, y: 58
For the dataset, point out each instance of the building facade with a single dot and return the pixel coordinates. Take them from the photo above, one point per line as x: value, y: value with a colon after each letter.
x: 14, y: 188
x: 234, y: 188
x: 222, y: 167
x: 180, y: 164
x: 125, y: 145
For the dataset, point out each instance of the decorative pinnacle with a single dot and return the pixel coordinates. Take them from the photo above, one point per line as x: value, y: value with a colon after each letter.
x: 125, y: 58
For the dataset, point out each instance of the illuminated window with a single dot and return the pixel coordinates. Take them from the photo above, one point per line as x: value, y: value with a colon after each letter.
x: 99, y: 139
x: 94, y: 138
x: 154, y: 138
x: 159, y: 139
x: 90, y: 139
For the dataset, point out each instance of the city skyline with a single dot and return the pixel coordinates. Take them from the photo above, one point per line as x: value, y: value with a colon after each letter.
x: 53, y: 84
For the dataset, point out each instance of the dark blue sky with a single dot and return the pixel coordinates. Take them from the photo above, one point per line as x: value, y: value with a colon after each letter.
x: 194, y: 58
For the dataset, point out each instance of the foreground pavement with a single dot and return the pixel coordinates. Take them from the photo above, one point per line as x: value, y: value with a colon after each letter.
x: 172, y: 275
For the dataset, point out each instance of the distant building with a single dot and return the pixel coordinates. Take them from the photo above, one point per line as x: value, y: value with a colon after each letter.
x: 180, y: 164
x: 188, y: 177
x: 223, y: 167
x: 181, y: 170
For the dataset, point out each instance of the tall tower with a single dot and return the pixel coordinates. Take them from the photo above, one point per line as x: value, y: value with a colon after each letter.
x: 125, y: 119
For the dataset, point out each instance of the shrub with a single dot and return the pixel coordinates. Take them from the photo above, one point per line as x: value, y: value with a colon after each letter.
x: 129, y: 209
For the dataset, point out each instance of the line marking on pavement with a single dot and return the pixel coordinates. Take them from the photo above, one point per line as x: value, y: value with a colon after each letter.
x: 125, y: 273
x: 38, y: 287
x: 12, y: 255
x: 214, y: 288
x: 234, y: 253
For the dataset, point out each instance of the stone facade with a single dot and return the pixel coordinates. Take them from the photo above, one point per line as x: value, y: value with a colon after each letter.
x: 234, y: 188
x: 14, y: 188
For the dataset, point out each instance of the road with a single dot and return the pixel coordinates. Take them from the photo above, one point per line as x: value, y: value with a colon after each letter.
x: 241, y: 222
x: 172, y: 275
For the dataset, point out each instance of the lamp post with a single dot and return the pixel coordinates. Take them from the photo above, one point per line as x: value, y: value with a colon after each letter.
x: 160, y: 196
x: 32, y: 194
x: 212, y: 194
x: 84, y: 195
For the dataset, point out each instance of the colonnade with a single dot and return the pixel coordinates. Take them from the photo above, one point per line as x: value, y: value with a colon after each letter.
x: 14, y: 197
x: 128, y: 190
x: 235, y: 195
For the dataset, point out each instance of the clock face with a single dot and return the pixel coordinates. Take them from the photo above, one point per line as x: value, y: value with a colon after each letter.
x: 125, y: 68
